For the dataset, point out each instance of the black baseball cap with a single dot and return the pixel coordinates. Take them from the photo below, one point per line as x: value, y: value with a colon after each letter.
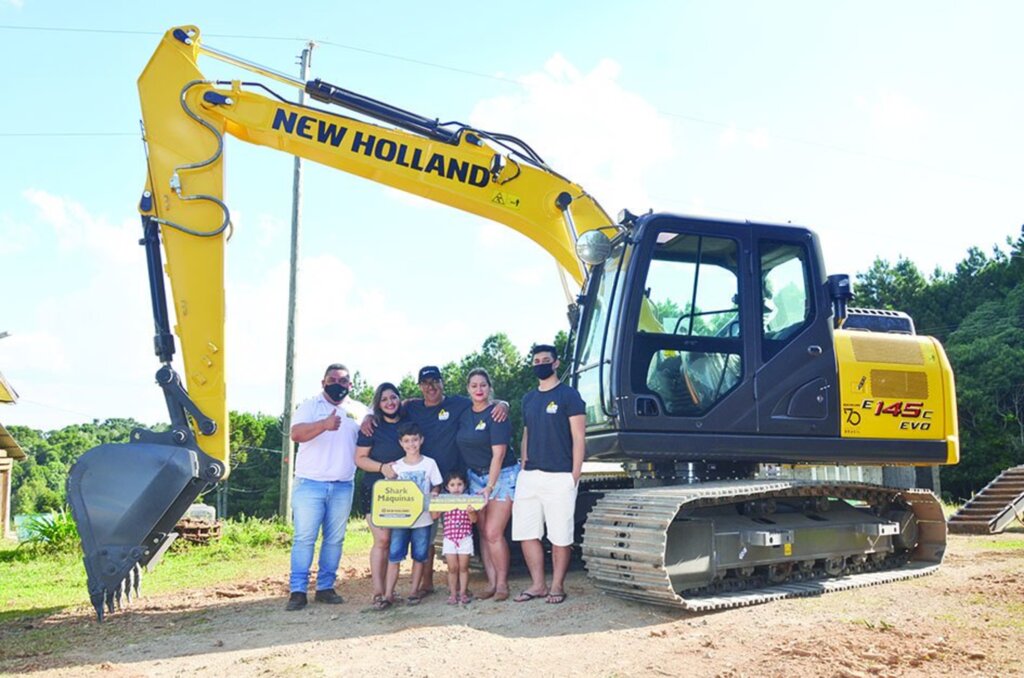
x: 429, y: 372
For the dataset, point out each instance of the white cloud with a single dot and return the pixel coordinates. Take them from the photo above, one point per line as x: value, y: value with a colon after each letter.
x: 891, y: 111
x: 339, y: 318
x: 587, y: 127
x: 80, y: 231
x: 15, y: 236
x: 85, y: 350
x: 757, y: 139
x: 39, y: 350
x: 532, y: 276
x: 494, y: 236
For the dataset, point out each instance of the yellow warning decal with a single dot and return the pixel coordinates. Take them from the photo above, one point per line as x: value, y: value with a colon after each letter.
x: 506, y: 199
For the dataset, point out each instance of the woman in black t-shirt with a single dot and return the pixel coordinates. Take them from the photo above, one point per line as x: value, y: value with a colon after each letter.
x: 374, y: 455
x: 486, y: 452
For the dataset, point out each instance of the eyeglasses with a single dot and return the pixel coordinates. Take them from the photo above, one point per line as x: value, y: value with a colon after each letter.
x: 430, y: 382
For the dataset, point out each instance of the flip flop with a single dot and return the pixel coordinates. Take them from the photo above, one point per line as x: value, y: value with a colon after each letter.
x: 381, y: 604
x: 526, y: 596
x: 413, y: 599
x: 556, y: 598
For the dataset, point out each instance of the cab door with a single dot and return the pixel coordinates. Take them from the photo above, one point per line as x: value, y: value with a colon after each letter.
x: 685, y: 341
x: 795, y: 380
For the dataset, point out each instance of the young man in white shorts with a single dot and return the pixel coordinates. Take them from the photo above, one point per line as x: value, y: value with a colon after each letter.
x: 554, y: 423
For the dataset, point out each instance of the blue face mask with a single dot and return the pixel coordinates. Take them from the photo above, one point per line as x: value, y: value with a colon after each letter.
x: 336, y: 392
x: 544, y: 370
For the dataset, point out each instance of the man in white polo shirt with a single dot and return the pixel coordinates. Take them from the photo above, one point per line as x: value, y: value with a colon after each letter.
x: 325, y: 427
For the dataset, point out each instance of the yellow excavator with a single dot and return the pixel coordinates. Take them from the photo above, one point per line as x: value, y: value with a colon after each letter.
x: 712, y: 356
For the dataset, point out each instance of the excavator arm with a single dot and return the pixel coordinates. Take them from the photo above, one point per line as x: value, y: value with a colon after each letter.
x: 126, y: 499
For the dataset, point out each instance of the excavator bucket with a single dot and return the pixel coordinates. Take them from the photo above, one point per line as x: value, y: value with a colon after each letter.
x: 126, y: 500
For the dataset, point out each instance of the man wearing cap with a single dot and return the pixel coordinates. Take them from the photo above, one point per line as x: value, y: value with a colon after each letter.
x: 553, y: 447
x: 437, y: 415
x: 325, y: 428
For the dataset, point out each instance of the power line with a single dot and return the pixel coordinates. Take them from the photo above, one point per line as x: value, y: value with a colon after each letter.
x: 233, y: 36
x: 59, y: 409
x: 69, y: 134
x: 834, y: 148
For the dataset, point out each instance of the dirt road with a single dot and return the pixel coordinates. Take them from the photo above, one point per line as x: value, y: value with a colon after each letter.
x: 966, y: 620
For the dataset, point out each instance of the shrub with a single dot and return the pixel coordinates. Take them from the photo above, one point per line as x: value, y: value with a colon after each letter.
x: 252, y: 531
x: 51, y: 533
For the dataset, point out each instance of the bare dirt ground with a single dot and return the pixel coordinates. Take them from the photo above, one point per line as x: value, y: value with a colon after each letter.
x: 967, y: 620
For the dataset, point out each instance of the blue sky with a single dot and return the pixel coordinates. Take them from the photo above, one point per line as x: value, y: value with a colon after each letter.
x: 889, y: 128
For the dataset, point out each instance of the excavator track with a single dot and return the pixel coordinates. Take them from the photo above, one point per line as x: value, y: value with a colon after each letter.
x: 720, y: 545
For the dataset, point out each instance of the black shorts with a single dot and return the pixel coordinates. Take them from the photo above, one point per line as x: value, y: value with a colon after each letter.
x: 364, y: 498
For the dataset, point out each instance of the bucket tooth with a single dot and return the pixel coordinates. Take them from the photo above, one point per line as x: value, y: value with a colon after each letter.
x: 137, y: 580
x: 97, y: 603
x: 120, y: 593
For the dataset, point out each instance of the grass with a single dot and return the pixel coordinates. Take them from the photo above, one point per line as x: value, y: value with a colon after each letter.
x: 36, y: 583
x: 991, y: 543
x: 949, y: 508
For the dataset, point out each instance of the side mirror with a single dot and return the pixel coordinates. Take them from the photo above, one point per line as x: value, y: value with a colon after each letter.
x: 593, y: 247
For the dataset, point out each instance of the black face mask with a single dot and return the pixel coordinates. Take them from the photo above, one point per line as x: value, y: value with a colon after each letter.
x: 544, y: 370
x: 336, y: 392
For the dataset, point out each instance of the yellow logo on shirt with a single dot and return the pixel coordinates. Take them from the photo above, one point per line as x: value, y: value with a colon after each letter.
x: 481, y: 425
x: 552, y: 407
x: 443, y: 415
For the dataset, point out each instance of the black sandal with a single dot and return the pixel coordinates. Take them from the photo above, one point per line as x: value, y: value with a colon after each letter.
x: 526, y: 596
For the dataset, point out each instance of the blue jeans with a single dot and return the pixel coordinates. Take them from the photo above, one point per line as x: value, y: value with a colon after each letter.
x: 318, y: 504
x: 403, y: 537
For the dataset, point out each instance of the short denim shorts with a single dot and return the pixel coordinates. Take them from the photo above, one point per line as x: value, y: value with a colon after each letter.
x: 404, y: 537
x: 504, y: 489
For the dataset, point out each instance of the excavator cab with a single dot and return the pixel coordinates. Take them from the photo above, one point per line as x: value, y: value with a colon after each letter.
x: 706, y: 340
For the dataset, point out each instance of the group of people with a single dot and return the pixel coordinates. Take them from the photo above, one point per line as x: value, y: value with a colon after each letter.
x: 452, y: 443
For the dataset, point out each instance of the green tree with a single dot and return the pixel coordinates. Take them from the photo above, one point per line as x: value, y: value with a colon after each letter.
x: 254, y: 486
x: 887, y: 286
x: 38, y: 482
x: 988, y: 353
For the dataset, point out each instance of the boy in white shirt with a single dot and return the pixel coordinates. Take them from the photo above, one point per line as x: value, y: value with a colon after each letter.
x: 423, y: 471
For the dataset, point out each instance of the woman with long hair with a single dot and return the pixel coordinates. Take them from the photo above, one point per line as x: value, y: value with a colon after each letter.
x: 486, y: 451
x: 375, y: 455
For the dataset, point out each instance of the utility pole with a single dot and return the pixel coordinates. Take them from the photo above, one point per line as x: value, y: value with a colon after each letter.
x: 287, y: 448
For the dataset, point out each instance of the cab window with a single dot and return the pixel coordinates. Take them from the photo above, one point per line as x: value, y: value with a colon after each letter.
x: 689, y: 323
x: 785, y: 294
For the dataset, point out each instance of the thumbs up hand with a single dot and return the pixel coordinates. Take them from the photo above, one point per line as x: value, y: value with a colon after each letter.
x: 332, y: 422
